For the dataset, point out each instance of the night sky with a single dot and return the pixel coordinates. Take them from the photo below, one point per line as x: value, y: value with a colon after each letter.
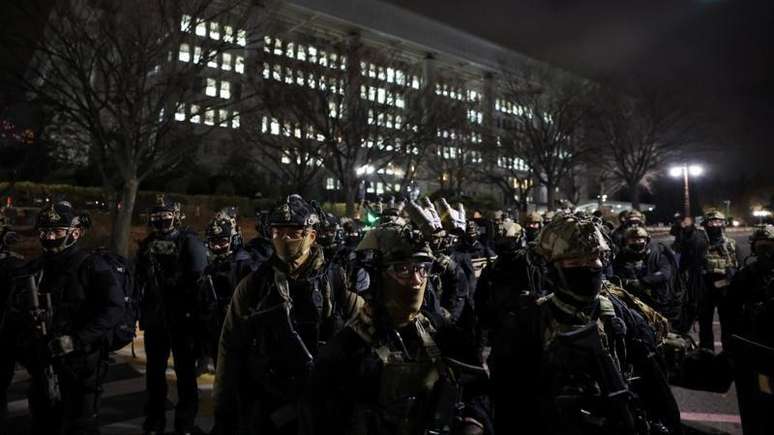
x: 717, y: 54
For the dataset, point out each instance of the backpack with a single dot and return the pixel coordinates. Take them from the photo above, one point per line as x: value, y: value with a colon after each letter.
x: 125, y: 330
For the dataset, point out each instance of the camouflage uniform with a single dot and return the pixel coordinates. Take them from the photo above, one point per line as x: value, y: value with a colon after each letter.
x: 720, y: 265
x: 579, y: 349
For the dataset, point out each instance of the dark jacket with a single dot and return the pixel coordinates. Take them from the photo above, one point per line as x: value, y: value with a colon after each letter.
x: 270, y: 337
x: 650, y: 277
x: 168, y: 270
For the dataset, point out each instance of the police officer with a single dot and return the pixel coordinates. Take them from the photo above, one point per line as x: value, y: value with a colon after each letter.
x: 584, y: 361
x: 649, y: 271
x: 389, y: 371
x: 170, y: 263
x: 228, y: 264
x: 63, y: 308
x: 628, y: 219
x: 720, y: 265
x: 750, y: 306
x: 277, y: 319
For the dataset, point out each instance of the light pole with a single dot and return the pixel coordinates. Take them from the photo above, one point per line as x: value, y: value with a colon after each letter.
x: 684, y: 171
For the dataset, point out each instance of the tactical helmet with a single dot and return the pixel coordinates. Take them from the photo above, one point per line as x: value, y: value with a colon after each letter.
x: 391, y: 242
x: 512, y: 230
x: 533, y: 217
x: 636, y: 233
x: 330, y: 232
x: 634, y: 216
x: 55, y: 216
x: 293, y: 212
x: 549, y: 216
x: 568, y: 237
x: 223, y: 234
x: 165, y: 205
x: 761, y: 234
x: 714, y: 215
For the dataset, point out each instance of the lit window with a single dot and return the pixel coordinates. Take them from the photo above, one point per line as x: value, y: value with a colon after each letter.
x: 399, y: 77
x: 201, y: 28
x: 209, y: 117
x: 228, y: 34
x: 180, y: 112
x: 242, y: 37
x: 278, y: 47
x: 267, y: 44
x: 312, y: 54
x: 239, y: 65
x: 235, y: 120
x: 275, y: 126
x: 288, y: 76
x: 266, y: 70
x: 380, y: 73
x: 380, y: 95
x: 398, y: 121
x: 195, y: 118
x: 285, y: 159
x: 226, y: 65
x: 301, y: 53
x: 277, y: 72
x: 214, y: 30
x: 212, y: 87
x: 185, y: 23
x: 390, y: 98
x: 343, y: 62
x: 286, y: 128
x: 197, y: 54
x: 310, y: 81
x: 297, y: 132
x: 225, y: 90
x: 333, y: 109
x: 323, y: 58
x: 212, y: 60
x: 415, y: 82
x: 330, y: 183
x: 399, y: 102
x: 299, y: 77
x: 290, y: 50
x: 333, y: 60
x: 185, y: 53
x: 389, y: 120
x: 390, y: 75
x: 264, y: 124
x: 223, y: 118
x: 371, y: 93
x: 372, y: 70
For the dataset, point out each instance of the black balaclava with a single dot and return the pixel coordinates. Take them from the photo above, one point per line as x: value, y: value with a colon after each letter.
x: 578, y: 286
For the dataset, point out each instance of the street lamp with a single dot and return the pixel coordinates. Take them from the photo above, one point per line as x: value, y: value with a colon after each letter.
x: 684, y: 171
x: 761, y: 214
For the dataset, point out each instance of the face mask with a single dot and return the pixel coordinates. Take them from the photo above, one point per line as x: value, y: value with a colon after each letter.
x: 506, y: 245
x: 162, y: 225
x: 636, y: 248
x: 401, y: 301
x: 220, y: 247
x: 580, y: 285
x: 52, y: 246
x: 531, y: 234
x: 714, y: 232
x: 765, y: 255
x: 292, y: 251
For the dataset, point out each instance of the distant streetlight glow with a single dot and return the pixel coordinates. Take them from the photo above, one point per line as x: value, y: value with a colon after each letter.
x: 684, y: 171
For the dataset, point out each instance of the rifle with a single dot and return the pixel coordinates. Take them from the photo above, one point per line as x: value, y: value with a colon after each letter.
x: 41, y: 316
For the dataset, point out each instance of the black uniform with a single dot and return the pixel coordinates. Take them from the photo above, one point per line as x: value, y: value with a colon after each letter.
x: 169, y: 268
x: 272, y: 331
x: 651, y: 276
x: 87, y: 303
x: 224, y: 274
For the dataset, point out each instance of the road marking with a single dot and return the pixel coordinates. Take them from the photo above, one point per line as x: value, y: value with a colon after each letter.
x: 710, y: 418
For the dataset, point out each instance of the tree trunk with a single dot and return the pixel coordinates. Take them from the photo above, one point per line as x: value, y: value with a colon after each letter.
x: 634, y: 195
x: 550, y: 194
x: 122, y: 224
x: 349, y: 196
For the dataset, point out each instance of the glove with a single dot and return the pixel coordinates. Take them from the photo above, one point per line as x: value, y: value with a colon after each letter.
x: 426, y: 217
x: 452, y: 219
x: 61, y: 346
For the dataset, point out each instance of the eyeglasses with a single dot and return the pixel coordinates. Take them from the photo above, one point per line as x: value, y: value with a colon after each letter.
x: 289, y: 232
x: 407, y: 269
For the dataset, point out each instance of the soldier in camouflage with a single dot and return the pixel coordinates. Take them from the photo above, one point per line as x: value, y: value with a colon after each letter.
x: 719, y: 266
x: 390, y: 370
x: 585, y: 354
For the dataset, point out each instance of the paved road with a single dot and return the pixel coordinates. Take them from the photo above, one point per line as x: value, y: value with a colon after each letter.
x: 121, y: 411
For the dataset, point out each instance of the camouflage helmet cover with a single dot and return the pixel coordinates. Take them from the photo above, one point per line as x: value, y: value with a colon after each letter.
x: 294, y: 212
x: 512, y: 230
x: 714, y: 215
x: 222, y: 225
x: 396, y: 243
x: 634, y: 215
x: 58, y: 215
x: 636, y: 233
x: 533, y: 217
x: 568, y: 237
x: 764, y: 233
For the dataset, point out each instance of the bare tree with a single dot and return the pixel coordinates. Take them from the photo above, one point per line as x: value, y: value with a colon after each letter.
x: 548, y: 110
x: 636, y: 135
x: 117, y: 76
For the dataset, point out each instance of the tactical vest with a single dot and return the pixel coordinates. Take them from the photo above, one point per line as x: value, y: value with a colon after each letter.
x: 720, y: 257
x: 406, y: 382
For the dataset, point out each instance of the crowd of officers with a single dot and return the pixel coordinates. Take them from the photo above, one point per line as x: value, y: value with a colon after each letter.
x: 430, y: 322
